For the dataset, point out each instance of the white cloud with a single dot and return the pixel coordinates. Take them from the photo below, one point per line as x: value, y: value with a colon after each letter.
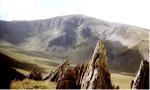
x: 134, y: 12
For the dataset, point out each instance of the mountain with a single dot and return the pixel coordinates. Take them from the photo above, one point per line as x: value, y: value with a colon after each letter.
x: 74, y: 37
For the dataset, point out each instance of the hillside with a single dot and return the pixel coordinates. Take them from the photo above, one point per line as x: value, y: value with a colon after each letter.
x: 24, y: 62
x: 132, y: 56
x: 7, y: 72
x: 73, y: 37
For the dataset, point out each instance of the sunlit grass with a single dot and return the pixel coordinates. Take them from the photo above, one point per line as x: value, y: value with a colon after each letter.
x: 123, y: 81
x: 32, y: 84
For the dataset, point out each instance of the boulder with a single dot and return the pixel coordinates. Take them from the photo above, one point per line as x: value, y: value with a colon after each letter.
x: 57, y: 74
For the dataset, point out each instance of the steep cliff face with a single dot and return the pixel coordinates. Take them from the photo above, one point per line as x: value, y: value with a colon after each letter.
x: 72, y: 36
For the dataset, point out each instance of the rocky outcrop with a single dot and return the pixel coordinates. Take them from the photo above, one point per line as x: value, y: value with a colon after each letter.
x: 68, y: 80
x: 66, y: 76
x: 93, y: 74
x: 35, y: 75
x: 56, y: 74
x: 142, y: 78
x: 97, y: 75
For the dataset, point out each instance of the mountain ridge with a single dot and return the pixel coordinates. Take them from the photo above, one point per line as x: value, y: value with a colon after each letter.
x: 72, y: 36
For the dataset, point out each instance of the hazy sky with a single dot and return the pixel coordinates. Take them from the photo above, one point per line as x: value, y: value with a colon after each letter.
x: 133, y: 12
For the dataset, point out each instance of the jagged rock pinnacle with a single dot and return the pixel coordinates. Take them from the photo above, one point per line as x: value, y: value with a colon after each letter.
x: 97, y: 74
x: 142, y: 78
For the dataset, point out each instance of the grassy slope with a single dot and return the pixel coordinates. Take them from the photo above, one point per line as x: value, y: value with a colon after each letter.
x: 27, y: 62
x: 32, y: 84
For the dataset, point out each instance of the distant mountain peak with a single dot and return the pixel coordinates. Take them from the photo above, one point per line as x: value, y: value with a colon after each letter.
x: 72, y: 36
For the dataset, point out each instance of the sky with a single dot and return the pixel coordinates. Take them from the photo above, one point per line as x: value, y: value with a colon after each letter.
x: 132, y: 12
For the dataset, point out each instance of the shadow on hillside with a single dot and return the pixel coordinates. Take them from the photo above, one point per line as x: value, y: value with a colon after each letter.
x: 17, y: 64
x: 7, y: 73
x: 121, y: 58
